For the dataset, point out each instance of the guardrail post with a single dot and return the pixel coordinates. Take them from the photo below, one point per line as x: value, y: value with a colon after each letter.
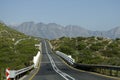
x: 110, y: 72
x: 17, y: 77
x: 103, y: 70
x: 100, y: 70
x: 116, y: 73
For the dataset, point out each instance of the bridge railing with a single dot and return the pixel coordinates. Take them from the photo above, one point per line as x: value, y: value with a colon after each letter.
x: 103, y: 69
x: 16, y: 74
x: 24, y: 70
x: 67, y: 58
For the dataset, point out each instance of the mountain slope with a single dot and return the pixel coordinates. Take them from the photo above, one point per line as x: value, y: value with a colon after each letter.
x: 74, y: 31
x: 114, y: 33
x: 8, y: 32
x: 19, y: 54
x: 53, y: 30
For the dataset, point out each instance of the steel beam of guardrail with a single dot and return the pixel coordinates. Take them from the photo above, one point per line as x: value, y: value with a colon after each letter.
x: 15, y: 73
x: 66, y: 57
x: 104, y: 69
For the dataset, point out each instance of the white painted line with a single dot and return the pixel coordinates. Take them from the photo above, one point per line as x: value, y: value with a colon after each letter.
x: 55, y: 68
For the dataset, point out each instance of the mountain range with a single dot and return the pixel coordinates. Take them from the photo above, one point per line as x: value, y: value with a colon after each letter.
x: 53, y: 30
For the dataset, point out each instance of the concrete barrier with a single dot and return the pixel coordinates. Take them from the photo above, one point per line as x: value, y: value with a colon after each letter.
x: 36, y: 59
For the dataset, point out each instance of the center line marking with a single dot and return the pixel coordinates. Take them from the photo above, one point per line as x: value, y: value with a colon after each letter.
x: 55, y: 68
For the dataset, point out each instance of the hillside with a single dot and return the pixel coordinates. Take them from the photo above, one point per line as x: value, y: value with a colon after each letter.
x: 16, y: 49
x: 53, y: 31
x: 91, y: 50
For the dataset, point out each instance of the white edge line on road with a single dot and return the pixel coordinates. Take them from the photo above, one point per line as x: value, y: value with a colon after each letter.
x: 55, y: 68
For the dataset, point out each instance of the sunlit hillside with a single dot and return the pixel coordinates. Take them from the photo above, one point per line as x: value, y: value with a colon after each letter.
x: 15, y: 48
x: 91, y: 50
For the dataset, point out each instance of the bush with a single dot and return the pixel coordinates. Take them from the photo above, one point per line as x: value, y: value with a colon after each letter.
x: 81, y: 46
x: 66, y: 49
x: 94, y: 54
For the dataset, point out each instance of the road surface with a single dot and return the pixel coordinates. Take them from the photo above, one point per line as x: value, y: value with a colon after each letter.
x: 53, y: 68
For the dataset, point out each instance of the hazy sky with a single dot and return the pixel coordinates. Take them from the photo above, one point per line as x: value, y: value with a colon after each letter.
x: 90, y: 14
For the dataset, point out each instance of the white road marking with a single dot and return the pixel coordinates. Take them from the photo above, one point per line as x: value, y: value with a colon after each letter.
x: 55, y: 68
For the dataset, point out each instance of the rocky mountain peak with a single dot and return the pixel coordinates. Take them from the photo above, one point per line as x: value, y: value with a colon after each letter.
x: 53, y: 30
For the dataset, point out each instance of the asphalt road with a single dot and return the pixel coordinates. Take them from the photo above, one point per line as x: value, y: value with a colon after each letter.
x: 53, y: 68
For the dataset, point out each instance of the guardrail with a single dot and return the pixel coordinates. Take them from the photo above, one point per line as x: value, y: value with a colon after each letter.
x: 16, y: 74
x: 36, y: 59
x: 67, y: 58
x: 103, y: 69
x: 23, y: 70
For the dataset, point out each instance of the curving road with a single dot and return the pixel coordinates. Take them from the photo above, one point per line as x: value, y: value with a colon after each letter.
x: 53, y: 68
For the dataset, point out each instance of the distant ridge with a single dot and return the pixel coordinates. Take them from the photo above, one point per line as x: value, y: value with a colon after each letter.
x: 53, y: 30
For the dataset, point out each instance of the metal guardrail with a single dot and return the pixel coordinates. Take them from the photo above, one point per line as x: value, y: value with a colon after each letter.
x: 66, y: 57
x: 15, y: 73
x: 103, y: 69
x: 24, y: 70
x: 98, y: 66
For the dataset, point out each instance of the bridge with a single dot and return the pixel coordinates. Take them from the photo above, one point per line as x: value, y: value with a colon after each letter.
x: 50, y: 65
x: 54, y: 68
